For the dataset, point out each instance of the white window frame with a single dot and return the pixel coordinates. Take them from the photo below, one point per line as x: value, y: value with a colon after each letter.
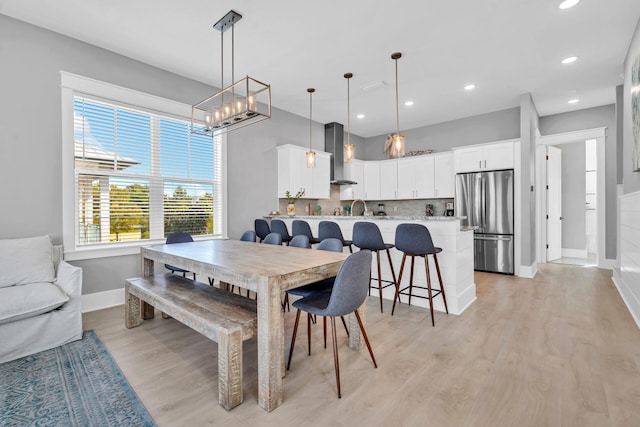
x: 73, y: 84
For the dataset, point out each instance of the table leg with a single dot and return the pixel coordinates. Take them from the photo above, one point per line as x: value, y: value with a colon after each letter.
x: 147, y: 270
x: 354, y: 330
x: 270, y: 346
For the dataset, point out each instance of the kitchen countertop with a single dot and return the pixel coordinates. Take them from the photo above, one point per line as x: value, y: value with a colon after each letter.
x: 374, y: 217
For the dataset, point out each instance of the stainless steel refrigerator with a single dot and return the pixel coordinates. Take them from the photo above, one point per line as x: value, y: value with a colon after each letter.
x: 486, y: 199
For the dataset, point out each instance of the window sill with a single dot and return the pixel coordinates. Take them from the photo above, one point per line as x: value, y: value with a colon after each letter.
x: 123, y: 249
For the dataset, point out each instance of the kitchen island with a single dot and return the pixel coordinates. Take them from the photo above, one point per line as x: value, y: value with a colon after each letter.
x: 456, y: 258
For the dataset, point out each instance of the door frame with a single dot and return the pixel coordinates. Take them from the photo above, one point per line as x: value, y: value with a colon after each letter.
x: 597, y: 134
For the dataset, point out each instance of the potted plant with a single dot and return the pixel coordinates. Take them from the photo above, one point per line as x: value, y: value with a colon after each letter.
x: 291, y: 200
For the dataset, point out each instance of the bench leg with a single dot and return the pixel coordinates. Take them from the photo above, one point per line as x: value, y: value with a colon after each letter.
x: 131, y: 309
x: 230, y: 369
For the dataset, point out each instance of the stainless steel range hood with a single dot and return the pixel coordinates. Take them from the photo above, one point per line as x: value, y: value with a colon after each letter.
x: 334, y: 144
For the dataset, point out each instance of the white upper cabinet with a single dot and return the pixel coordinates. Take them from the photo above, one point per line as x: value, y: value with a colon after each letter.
x: 416, y: 177
x: 294, y: 176
x: 353, y: 171
x: 484, y: 157
x: 371, y: 181
x: 444, y: 176
x: 389, y: 180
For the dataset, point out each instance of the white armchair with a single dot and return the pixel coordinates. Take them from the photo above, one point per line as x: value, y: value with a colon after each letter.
x: 40, y: 298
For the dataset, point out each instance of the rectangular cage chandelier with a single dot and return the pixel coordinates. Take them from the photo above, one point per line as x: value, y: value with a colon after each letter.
x: 240, y: 104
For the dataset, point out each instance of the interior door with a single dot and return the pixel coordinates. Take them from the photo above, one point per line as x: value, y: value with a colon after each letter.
x: 554, y: 203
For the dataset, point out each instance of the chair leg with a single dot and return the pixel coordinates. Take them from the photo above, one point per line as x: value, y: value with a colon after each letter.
x: 211, y: 281
x: 324, y: 328
x: 444, y: 297
x: 379, y: 280
x: 350, y: 249
x: 335, y: 354
x: 285, y: 303
x: 366, y: 339
x: 309, y: 332
x: 426, y: 263
x: 393, y: 272
x: 345, y: 325
x: 397, y: 296
x: 293, y: 338
x: 413, y: 258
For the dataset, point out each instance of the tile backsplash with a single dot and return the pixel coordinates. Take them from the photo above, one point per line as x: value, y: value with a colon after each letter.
x: 392, y: 207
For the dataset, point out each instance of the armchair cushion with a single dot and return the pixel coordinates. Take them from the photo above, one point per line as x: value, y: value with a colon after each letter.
x: 27, y: 260
x: 24, y: 301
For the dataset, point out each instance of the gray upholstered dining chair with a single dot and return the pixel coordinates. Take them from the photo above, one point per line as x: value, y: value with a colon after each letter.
x: 248, y: 236
x: 325, y: 285
x: 300, y: 241
x: 347, y: 295
x: 273, y: 239
x: 178, y: 237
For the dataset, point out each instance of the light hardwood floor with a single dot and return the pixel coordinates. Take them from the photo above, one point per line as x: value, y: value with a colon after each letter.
x: 558, y: 350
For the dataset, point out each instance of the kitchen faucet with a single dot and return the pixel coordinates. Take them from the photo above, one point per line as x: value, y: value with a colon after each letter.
x: 354, y: 202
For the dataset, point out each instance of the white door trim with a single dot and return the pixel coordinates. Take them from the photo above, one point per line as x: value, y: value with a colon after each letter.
x: 599, y: 135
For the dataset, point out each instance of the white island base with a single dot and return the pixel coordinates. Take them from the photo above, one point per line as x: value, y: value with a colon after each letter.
x: 456, y: 258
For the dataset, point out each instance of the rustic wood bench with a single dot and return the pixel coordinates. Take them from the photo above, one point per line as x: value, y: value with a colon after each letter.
x: 221, y: 316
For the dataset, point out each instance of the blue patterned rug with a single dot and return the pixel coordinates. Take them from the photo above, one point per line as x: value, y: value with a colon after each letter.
x: 77, y: 384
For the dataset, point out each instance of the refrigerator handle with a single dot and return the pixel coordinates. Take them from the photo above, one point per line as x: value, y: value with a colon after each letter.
x: 483, y: 201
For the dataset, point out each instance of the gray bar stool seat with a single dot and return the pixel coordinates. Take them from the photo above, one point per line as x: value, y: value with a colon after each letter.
x: 414, y: 240
x: 366, y: 235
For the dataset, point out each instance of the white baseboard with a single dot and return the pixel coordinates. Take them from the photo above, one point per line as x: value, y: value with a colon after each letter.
x: 609, y: 264
x: 629, y: 299
x: 574, y: 253
x: 100, y: 300
x: 528, y: 271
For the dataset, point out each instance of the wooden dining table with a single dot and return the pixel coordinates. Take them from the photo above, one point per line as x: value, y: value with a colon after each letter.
x: 267, y: 270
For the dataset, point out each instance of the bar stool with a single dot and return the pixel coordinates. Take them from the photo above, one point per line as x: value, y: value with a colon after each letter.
x: 331, y: 230
x: 301, y: 228
x: 366, y: 235
x: 278, y: 226
x: 414, y: 240
x: 261, y: 228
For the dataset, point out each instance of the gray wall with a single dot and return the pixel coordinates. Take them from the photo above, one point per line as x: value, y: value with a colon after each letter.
x: 489, y: 127
x: 528, y: 135
x: 573, y: 196
x: 588, y: 119
x: 631, y: 180
x: 30, y: 138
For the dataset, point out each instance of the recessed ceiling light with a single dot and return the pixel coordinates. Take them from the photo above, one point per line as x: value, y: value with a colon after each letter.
x: 470, y: 86
x: 566, y: 4
x: 574, y: 101
x: 569, y: 60
x: 360, y: 116
x: 408, y: 103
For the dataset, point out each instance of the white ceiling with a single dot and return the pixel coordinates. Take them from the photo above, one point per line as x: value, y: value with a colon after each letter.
x: 505, y: 47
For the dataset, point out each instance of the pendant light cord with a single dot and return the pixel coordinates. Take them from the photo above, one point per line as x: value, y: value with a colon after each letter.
x: 348, y: 114
x: 310, y: 115
x: 397, y: 108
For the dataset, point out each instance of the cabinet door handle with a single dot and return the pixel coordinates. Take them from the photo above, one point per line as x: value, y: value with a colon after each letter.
x: 480, y: 164
x: 485, y: 164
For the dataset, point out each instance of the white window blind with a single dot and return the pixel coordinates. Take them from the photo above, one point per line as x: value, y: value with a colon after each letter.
x: 141, y: 174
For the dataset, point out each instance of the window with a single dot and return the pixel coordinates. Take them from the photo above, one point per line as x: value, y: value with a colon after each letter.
x: 139, y: 174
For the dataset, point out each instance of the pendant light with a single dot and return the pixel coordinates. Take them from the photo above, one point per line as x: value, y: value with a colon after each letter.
x: 397, y: 143
x: 349, y: 148
x: 311, y: 155
x: 242, y: 103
